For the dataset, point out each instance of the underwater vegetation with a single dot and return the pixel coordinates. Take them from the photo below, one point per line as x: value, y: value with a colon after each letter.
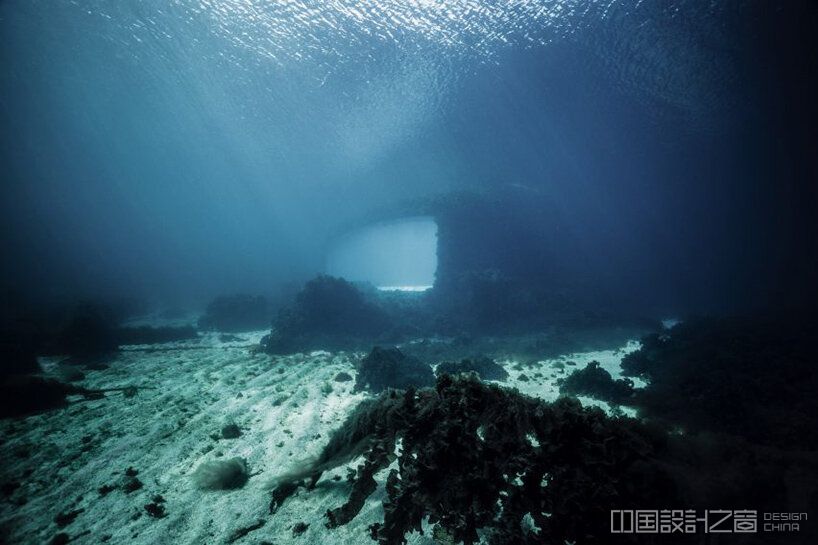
x: 348, y: 272
x: 479, y: 459
x: 465, y: 459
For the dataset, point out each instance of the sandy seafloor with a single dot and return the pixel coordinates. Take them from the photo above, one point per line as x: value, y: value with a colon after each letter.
x: 285, y: 410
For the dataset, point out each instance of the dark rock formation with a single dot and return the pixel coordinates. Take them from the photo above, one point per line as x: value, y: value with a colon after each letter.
x: 243, y: 531
x: 487, y: 368
x: 231, y: 431
x: 65, y: 518
x: 328, y: 314
x: 86, y: 336
x: 237, y: 313
x: 16, y: 357
x: 29, y: 394
x: 749, y: 376
x: 389, y: 368
x: 594, y: 381
x: 21, y: 395
x: 156, y: 508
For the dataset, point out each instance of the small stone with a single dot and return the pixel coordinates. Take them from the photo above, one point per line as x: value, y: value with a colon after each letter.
x: 105, y: 489
x: 60, y: 539
x: 155, y: 509
x: 132, y: 485
x: 66, y: 518
x: 231, y: 431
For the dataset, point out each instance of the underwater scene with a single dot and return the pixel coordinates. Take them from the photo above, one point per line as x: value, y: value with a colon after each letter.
x: 427, y: 272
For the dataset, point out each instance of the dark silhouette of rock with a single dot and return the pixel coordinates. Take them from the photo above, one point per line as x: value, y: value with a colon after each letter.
x: 328, y: 314
x: 752, y: 376
x: 231, y: 431
x: 390, y: 368
x: 234, y: 313
x: 29, y: 394
x: 16, y: 358
x: 487, y: 368
x: 86, y: 335
x: 594, y: 381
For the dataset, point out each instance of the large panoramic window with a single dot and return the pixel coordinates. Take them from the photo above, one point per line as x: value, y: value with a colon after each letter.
x: 399, y: 255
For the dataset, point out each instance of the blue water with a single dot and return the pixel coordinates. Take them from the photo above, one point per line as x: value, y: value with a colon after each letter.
x: 185, y: 148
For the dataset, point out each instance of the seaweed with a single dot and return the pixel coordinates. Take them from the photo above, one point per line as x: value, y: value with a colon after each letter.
x: 594, y: 381
x: 478, y: 459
